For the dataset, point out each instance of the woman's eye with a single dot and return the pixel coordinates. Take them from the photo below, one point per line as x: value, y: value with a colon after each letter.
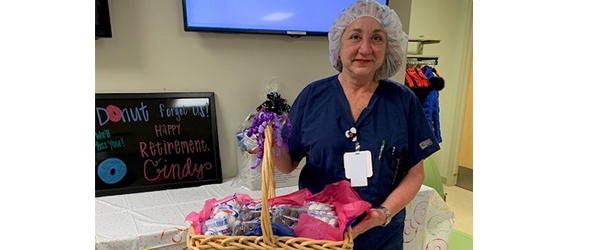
x: 377, y: 39
x: 354, y: 36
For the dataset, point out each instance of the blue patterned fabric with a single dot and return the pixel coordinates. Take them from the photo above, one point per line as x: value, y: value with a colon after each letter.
x: 431, y: 105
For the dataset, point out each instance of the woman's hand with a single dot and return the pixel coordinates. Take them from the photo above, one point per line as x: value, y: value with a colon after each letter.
x: 375, y: 217
x: 282, y: 162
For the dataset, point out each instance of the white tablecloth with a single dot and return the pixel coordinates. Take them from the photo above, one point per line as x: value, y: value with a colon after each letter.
x: 429, y: 221
x: 156, y: 220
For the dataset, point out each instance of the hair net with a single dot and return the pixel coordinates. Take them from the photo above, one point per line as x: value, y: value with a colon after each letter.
x: 397, y: 39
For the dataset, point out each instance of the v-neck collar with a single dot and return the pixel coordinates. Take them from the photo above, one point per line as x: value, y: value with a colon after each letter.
x: 346, y: 106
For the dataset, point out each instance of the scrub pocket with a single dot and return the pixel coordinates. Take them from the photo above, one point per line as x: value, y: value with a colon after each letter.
x: 389, y: 164
x: 393, y: 160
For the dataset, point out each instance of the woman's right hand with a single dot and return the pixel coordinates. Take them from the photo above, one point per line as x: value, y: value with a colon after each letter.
x: 282, y: 161
x: 375, y: 217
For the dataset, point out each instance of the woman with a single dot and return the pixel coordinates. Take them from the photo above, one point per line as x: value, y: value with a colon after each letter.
x: 360, y: 116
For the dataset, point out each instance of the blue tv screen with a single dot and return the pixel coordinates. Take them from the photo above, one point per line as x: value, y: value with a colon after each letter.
x: 285, y: 17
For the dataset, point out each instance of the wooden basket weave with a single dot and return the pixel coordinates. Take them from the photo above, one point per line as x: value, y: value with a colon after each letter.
x: 267, y: 240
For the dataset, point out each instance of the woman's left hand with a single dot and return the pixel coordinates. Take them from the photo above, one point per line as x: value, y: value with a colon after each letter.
x: 375, y: 217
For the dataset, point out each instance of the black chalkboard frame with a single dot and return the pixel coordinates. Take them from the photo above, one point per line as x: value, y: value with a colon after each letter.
x: 166, y: 96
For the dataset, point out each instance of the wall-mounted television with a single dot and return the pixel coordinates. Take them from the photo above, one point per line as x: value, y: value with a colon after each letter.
x: 103, y: 28
x: 287, y: 17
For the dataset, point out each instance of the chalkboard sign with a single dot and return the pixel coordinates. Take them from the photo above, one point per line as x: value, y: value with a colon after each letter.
x: 155, y: 141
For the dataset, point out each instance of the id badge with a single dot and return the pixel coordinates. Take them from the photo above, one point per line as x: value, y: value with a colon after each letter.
x: 357, y: 167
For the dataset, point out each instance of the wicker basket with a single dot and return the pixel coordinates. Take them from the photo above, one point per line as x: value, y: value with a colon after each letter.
x: 267, y: 240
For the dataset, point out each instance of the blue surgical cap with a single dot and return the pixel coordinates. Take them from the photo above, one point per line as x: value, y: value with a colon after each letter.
x: 397, y: 39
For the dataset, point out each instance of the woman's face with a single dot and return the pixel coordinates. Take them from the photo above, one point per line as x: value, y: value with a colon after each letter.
x: 363, y: 47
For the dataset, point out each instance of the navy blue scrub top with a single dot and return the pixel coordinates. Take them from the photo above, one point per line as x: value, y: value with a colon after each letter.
x: 320, y: 116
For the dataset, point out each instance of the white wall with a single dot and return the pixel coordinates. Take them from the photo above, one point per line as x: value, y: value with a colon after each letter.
x: 151, y: 52
x: 451, y: 22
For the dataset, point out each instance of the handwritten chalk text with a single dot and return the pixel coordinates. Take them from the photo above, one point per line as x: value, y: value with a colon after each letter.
x: 153, y: 170
x: 169, y: 111
x: 167, y: 129
x: 99, y: 146
x: 112, y: 144
x: 115, y: 114
x: 178, y: 147
x: 201, y: 111
x: 102, y: 135
x: 116, y: 143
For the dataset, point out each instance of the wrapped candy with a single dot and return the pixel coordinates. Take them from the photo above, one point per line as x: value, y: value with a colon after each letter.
x: 323, y: 211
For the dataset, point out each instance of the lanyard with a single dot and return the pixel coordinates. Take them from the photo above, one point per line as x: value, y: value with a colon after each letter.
x: 351, y: 134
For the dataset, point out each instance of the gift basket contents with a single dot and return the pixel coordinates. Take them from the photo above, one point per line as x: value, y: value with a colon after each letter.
x: 229, y: 217
x: 299, y: 220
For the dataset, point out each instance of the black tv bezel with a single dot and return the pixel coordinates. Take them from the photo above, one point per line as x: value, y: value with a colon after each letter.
x: 292, y: 33
x: 104, y: 28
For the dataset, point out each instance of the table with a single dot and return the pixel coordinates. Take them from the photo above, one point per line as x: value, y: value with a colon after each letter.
x: 428, y: 222
x: 156, y: 220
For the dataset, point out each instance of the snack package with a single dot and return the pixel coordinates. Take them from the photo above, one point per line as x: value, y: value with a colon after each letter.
x: 250, y: 211
x: 245, y: 227
x: 347, y: 205
x: 287, y: 215
x: 322, y: 211
x: 224, y: 210
x: 332, y: 209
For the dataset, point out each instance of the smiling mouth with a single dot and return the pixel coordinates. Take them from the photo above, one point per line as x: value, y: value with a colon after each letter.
x: 362, y: 60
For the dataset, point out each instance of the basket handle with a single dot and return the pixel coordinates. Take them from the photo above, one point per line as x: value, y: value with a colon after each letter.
x: 268, y: 185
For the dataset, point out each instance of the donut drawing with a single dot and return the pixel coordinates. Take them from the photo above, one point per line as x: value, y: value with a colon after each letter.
x: 114, y: 113
x: 111, y: 170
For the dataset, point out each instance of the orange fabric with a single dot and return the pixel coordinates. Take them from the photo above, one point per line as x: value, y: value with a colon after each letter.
x: 416, y: 79
x: 423, y: 81
x: 410, y: 82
